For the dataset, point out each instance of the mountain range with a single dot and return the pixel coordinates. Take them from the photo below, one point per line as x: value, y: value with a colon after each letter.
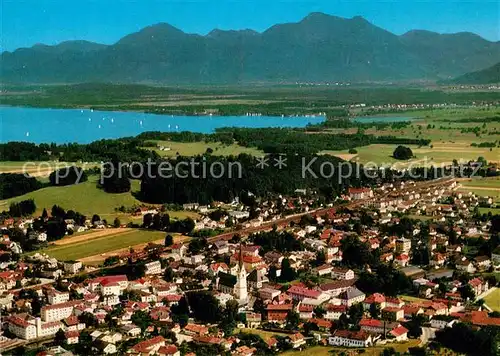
x: 489, y: 75
x: 320, y: 48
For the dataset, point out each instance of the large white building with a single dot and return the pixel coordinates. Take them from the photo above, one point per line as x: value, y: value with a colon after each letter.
x: 31, y: 328
x: 59, y: 311
x: 350, y: 338
x: 153, y: 267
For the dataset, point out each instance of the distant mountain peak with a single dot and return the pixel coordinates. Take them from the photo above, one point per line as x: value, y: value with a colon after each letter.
x: 157, y: 31
x: 216, y: 32
x: 320, y: 47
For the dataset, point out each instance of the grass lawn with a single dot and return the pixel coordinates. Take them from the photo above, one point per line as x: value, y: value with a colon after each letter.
x: 265, y: 335
x: 88, y: 199
x: 101, y: 245
x: 375, y: 351
x: 196, y: 148
x: 493, y: 300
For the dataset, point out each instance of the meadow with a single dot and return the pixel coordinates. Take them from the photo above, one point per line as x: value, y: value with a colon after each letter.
x: 88, y: 199
x: 197, y: 148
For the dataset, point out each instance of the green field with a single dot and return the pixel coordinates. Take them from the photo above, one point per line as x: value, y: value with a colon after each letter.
x: 197, y: 148
x: 493, y: 300
x: 101, y: 245
x: 484, y: 183
x: 87, y: 199
x: 375, y: 351
x: 441, y: 153
x: 265, y: 335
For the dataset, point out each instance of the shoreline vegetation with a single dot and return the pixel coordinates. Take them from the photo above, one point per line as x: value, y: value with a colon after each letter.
x: 226, y: 101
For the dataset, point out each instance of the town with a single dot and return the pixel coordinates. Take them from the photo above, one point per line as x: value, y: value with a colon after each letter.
x: 409, y: 266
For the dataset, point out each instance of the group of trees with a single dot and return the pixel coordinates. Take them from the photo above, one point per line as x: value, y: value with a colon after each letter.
x: 463, y: 339
x: 235, y: 175
x: 162, y: 222
x: 120, y: 150
x: 402, y: 153
x: 275, y: 240
x: 22, y: 208
x: 68, y: 176
x: 15, y: 184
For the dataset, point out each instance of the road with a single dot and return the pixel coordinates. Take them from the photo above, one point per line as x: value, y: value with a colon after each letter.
x: 427, y: 333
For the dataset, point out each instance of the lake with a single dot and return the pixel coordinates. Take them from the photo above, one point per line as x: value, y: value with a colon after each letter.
x: 366, y: 119
x: 83, y: 126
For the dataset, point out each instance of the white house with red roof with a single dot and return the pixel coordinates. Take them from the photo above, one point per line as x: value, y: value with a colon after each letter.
x: 299, y: 293
x: 399, y: 334
x: 349, y: 338
x: 333, y: 311
x: 402, y: 260
x: 148, y: 347
x: 360, y: 193
x: 375, y: 298
x: 109, y: 284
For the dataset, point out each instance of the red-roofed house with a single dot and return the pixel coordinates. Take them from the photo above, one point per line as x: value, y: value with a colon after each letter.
x: 400, y: 333
x: 333, y: 312
x: 277, y: 312
x: 169, y: 350
x: 148, y: 347
x: 109, y: 284
x: 375, y: 298
x: 299, y: 293
x: 478, y: 285
x: 360, y: 193
x: 297, y: 340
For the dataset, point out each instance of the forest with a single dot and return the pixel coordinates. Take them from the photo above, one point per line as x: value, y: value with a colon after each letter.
x: 270, y: 140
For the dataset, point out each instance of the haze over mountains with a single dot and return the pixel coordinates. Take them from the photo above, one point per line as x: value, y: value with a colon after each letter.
x: 320, y: 48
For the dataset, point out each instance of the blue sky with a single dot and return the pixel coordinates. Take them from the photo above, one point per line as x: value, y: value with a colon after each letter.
x: 26, y: 22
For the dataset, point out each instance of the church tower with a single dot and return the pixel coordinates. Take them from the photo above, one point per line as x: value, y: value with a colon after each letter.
x: 240, y: 289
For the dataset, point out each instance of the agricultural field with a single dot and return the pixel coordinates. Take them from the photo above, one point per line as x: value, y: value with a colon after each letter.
x: 489, y: 187
x: 88, y: 199
x: 197, y: 148
x: 439, y: 154
x: 82, y: 248
x: 450, y: 138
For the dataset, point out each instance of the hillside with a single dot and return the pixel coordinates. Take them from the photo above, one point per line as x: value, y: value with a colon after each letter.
x: 317, y: 49
x: 486, y: 76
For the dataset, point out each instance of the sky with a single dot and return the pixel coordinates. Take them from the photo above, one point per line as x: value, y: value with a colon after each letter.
x: 27, y: 22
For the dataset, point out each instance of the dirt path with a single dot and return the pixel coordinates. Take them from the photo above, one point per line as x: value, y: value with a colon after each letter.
x: 92, y: 235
